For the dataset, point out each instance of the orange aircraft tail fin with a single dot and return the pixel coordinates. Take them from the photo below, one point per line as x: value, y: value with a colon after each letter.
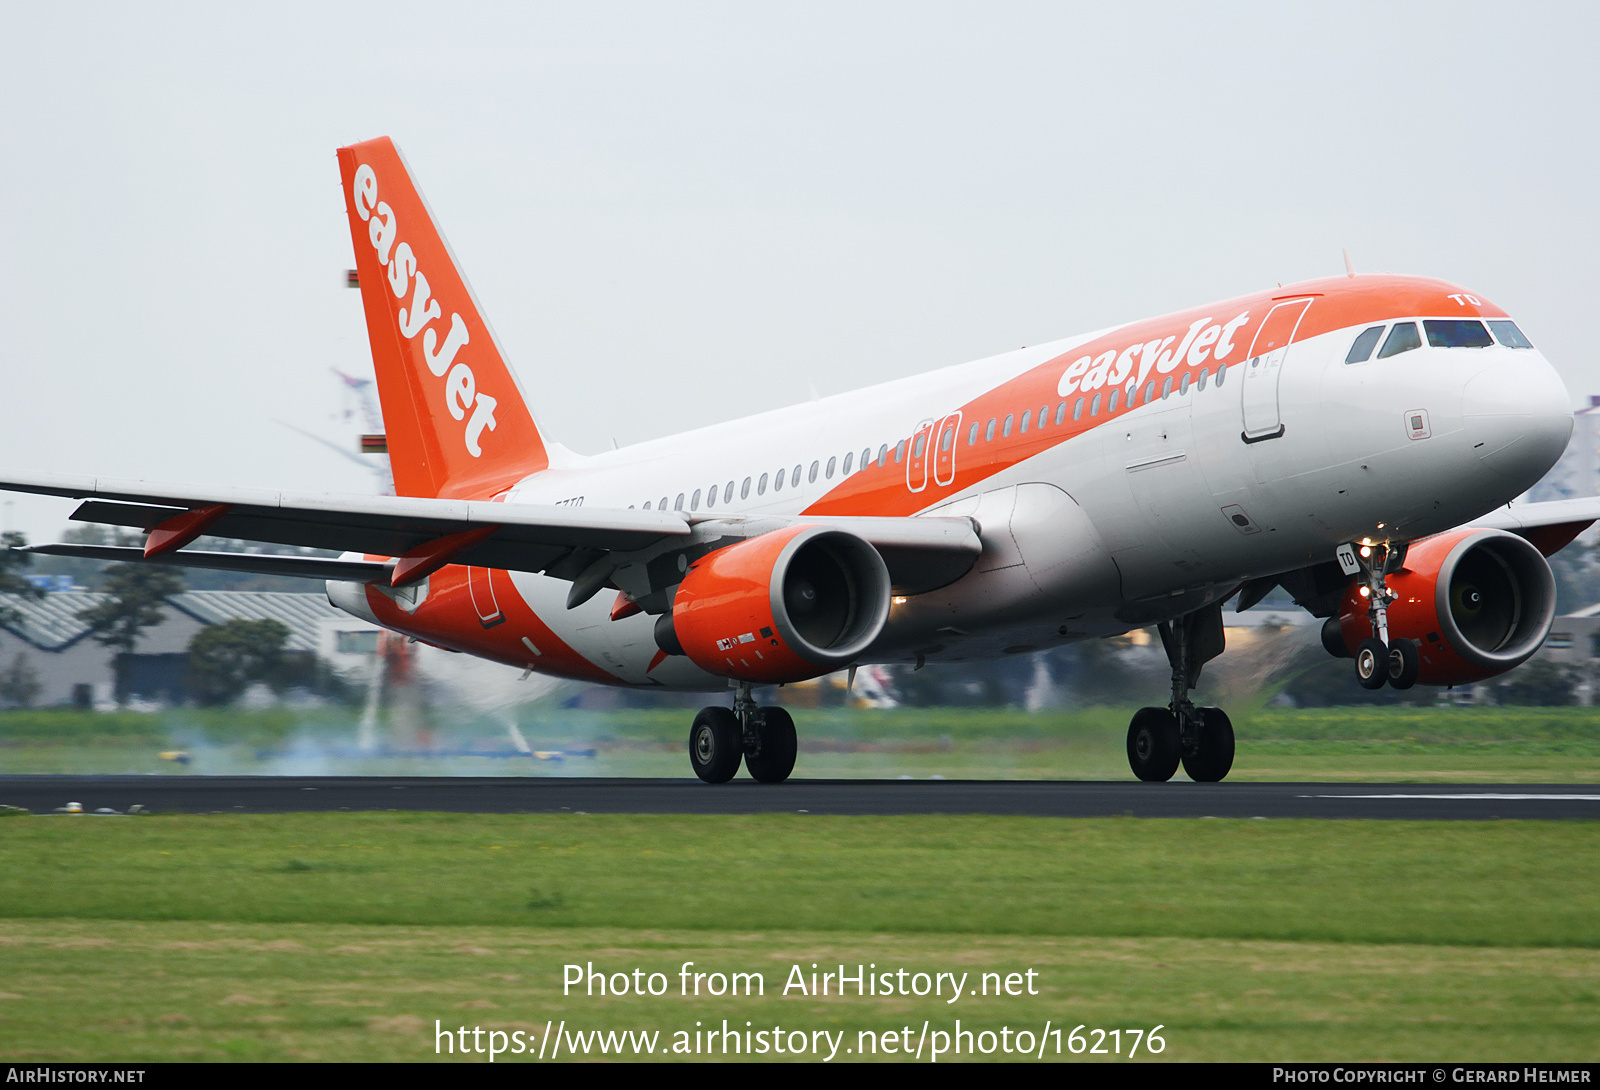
x: 456, y: 420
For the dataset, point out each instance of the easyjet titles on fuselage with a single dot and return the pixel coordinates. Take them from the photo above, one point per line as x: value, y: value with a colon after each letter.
x: 1131, y: 366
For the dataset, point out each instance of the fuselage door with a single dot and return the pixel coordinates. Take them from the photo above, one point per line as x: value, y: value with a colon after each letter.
x: 1264, y: 367
x: 480, y: 585
x: 918, y: 457
x: 481, y: 589
x: 944, y: 464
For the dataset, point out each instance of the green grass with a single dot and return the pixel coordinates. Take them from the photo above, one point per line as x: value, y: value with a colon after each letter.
x: 345, y: 936
x: 1462, y: 883
x: 1351, y: 744
x: 143, y: 991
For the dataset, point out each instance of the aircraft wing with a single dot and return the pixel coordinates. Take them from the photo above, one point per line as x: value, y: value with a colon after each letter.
x: 424, y: 534
x: 1549, y: 526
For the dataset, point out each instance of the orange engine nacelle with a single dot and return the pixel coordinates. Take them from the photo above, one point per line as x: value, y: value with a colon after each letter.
x: 789, y: 605
x: 1476, y: 602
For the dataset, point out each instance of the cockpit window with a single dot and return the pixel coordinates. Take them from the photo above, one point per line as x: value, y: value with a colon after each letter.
x: 1402, y: 338
x: 1509, y: 335
x: 1361, y: 351
x: 1456, y: 333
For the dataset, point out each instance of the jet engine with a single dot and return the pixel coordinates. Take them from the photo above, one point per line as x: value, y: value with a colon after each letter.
x: 1475, y: 602
x: 785, y: 606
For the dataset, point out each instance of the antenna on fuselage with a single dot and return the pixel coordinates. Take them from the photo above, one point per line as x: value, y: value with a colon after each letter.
x: 1349, y: 269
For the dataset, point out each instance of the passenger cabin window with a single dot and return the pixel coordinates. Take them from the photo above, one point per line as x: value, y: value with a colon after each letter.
x: 1077, y: 409
x: 1149, y: 392
x: 1111, y: 404
x: 694, y: 503
x: 972, y: 434
x: 794, y: 478
x: 647, y: 505
x: 1509, y: 335
x: 849, y: 459
x: 866, y: 459
x: 744, y: 489
x: 1200, y: 383
x: 1402, y: 338
x: 1183, y: 383
x: 1061, y: 413
x: 813, y: 476
x: 1094, y: 406
x: 1023, y: 426
x: 727, y: 490
x: 664, y: 503
x: 1006, y: 430
x: 988, y: 432
x: 679, y: 505
x: 900, y: 452
x: 761, y: 485
x: 1361, y: 351
x: 777, y: 485
x: 711, y: 496
x: 1456, y: 333
x: 833, y: 464
x: 1222, y: 370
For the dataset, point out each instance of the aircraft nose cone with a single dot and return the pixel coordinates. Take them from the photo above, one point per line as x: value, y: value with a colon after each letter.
x: 1518, y: 420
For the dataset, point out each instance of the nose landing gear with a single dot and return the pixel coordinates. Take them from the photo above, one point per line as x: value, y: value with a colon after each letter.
x: 763, y: 738
x: 1201, y: 739
x: 1378, y: 659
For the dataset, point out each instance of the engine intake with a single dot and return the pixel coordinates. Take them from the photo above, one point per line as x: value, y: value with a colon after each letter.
x: 785, y: 606
x: 1477, y: 603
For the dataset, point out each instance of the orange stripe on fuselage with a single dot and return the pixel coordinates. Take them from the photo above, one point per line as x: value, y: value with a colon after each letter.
x: 447, y: 618
x: 1337, y: 303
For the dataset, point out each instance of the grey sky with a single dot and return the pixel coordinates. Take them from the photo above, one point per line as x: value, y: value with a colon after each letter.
x: 675, y: 214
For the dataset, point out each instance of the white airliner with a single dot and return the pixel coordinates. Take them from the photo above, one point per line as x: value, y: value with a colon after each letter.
x: 1355, y: 440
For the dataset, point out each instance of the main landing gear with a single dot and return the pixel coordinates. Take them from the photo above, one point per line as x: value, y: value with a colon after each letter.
x: 763, y: 738
x: 1201, y: 739
x: 1379, y: 659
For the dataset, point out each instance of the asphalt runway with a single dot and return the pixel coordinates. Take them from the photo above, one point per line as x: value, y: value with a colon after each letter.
x: 509, y: 795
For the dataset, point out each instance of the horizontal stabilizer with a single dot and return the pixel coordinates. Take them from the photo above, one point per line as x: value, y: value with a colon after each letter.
x: 302, y: 567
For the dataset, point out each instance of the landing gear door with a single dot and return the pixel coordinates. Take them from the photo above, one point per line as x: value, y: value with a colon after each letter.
x: 1263, y: 369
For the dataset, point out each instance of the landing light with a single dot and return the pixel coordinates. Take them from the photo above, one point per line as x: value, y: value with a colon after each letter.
x: 899, y: 600
x: 1366, y: 550
x: 1364, y: 592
